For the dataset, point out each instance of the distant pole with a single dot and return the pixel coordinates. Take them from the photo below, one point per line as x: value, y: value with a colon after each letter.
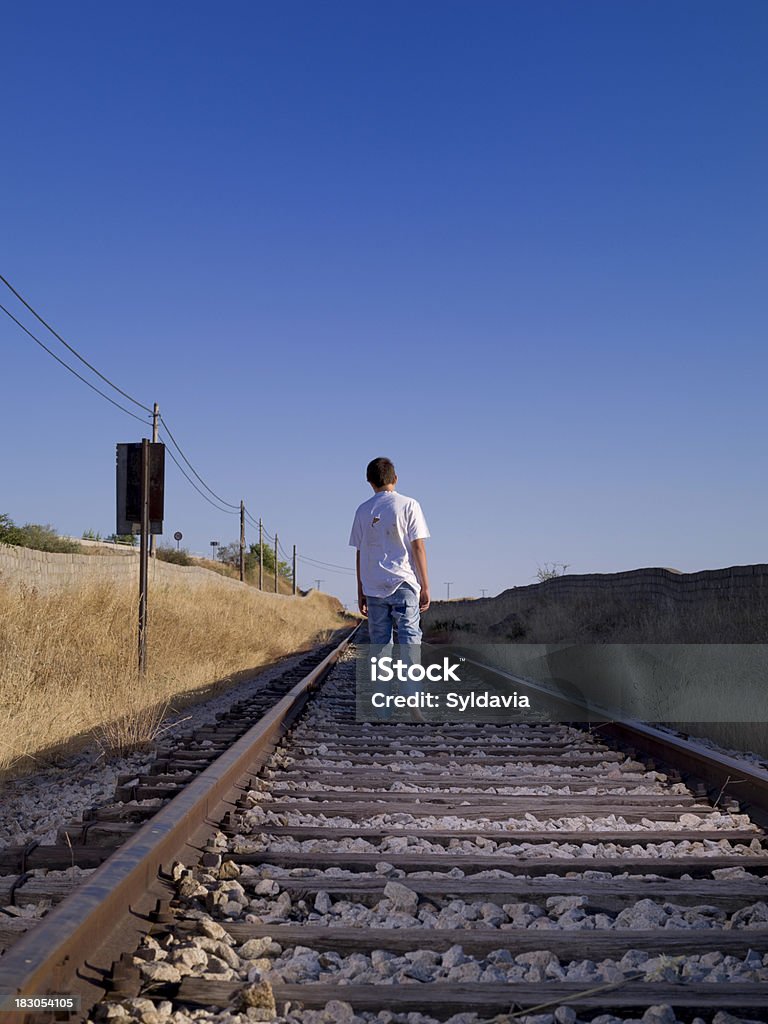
x: 483, y: 592
x: 155, y: 426
x: 294, y: 568
x: 144, y: 557
x: 448, y: 591
x: 214, y: 545
x: 318, y: 582
x: 275, y: 562
x: 242, y: 541
x: 261, y: 554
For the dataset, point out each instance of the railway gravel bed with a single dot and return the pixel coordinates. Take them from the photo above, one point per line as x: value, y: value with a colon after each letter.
x: 412, y: 873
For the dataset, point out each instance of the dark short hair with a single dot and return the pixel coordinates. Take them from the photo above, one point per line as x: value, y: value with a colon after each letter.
x: 380, y: 472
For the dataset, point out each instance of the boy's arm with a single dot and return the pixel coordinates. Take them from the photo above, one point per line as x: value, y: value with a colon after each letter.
x: 362, y: 604
x: 419, y: 555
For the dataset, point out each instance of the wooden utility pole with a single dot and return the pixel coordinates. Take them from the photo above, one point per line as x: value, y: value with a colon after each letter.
x: 294, y: 568
x: 261, y: 554
x: 144, y: 556
x: 155, y: 428
x: 242, y: 542
x: 275, y: 563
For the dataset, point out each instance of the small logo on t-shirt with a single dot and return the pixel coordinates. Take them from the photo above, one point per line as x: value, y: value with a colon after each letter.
x: 376, y: 519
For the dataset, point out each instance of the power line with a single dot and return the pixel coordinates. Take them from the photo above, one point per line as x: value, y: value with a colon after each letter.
x: 205, y: 485
x: 71, y: 349
x: 202, y: 494
x: 339, y: 572
x: 255, y: 525
x: 330, y: 565
x: 68, y: 367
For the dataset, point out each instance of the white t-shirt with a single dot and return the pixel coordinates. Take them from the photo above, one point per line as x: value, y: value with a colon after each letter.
x: 383, y: 530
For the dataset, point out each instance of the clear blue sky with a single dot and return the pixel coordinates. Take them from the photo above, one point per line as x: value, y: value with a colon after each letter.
x: 520, y: 248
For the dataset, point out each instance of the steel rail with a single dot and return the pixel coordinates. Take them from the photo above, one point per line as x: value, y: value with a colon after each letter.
x: 71, y: 953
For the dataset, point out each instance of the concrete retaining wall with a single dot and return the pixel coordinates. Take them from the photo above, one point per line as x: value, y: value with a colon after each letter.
x: 746, y: 581
x: 50, y: 572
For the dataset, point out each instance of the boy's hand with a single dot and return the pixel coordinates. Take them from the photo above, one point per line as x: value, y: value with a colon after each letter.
x: 424, y: 599
x: 362, y: 604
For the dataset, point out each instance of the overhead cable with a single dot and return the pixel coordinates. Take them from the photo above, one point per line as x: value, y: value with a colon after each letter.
x: 71, y: 349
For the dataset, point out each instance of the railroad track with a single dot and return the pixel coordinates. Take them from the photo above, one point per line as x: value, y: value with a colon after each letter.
x: 347, y: 870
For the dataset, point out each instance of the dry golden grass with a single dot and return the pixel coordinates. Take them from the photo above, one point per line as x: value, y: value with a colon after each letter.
x: 284, y: 586
x: 67, y: 660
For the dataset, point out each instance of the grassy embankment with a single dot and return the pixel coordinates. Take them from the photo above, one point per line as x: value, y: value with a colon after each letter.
x: 67, y: 660
x: 598, y: 618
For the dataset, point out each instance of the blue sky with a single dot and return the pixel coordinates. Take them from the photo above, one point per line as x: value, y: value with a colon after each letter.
x: 517, y: 247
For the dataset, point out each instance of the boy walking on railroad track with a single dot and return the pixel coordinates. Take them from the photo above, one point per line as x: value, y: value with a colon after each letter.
x: 389, y: 531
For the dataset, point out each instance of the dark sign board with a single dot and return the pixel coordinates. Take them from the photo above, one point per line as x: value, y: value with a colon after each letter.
x: 129, y: 487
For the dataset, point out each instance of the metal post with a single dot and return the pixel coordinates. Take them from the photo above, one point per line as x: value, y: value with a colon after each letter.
x: 144, y: 557
x: 261, y: 555
x: 448, y: 591
x: 275, y: 563
x: 242, y: 541
x: 155, y: 438
x: 294, y: 568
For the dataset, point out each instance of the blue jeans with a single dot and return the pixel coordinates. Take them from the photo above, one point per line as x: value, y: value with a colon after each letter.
x: 400, y: 610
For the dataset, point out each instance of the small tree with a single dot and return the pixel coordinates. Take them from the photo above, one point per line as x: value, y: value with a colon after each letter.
x: 230, y: 555
x: 9, y: 532
x: 252, y: 560
x: 550, y: 570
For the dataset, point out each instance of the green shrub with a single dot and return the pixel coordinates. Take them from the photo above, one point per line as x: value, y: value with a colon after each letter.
x: 35, y: 535
x: 180, y: 557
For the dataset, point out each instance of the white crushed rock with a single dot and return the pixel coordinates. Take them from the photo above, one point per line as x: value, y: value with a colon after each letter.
x: 257, y: 896
x: 261, y: 842
x: 145, y: 1011
x: 337, y: 1011
x: 257, y: 818
x: 37, y: 805
x: 213, y: 955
